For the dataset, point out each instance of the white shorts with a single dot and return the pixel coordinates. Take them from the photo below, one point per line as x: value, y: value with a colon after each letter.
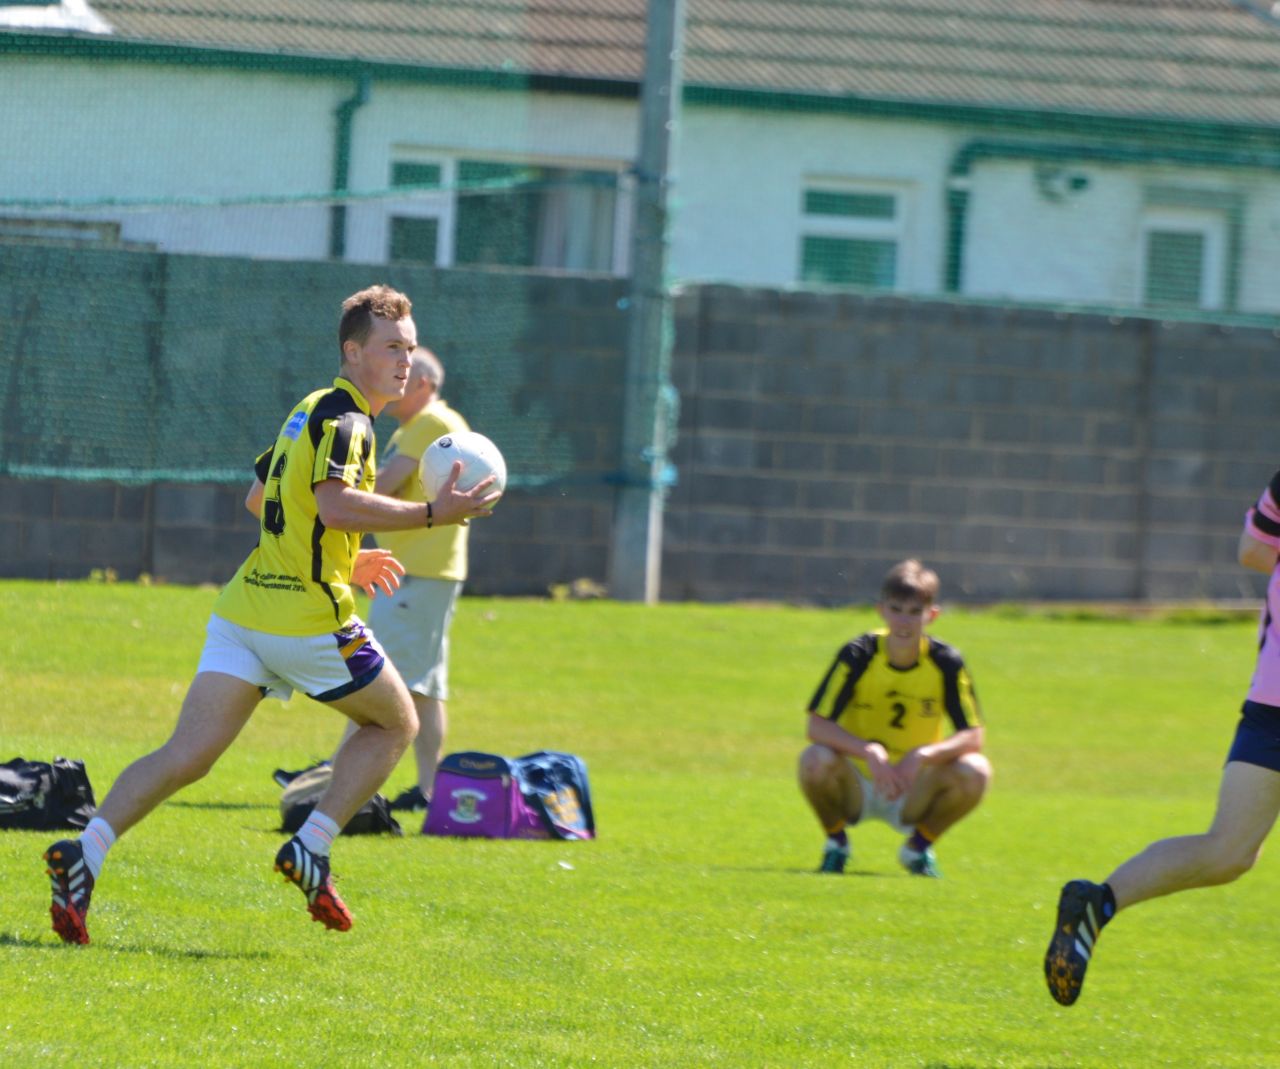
x: 876, y: 807
x: 324, y: 667
x: 413, y: 627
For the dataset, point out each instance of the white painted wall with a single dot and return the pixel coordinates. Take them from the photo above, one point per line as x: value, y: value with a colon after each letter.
x: 1086, y: 247
x: 1014, y: 233
x: 85, y: 130
x: 1260, y: 258
x: 740, y: 177
x: 82, y: 130
x: 149, y: 133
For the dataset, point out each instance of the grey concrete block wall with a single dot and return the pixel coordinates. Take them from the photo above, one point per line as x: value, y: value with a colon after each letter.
x: 64, y: 529
x: 1024, y: 453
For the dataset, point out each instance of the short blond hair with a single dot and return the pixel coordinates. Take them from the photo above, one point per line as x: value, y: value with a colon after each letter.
x: 360, y: 309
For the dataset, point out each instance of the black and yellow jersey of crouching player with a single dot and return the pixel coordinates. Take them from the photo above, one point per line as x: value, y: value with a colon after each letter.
x: 297, y: 579
x: 900, y: 708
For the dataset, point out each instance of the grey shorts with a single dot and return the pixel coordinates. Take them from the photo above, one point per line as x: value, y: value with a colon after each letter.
x: 412, y: 626
x: 876, y: 807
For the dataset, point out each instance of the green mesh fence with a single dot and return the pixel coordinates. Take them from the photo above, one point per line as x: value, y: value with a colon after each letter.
x: 133, y: 365
x: 172, y: 248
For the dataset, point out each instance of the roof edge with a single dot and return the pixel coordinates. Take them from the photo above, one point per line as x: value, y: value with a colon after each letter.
x: 1053, y: 123
x: 123, y: 49
x: 119, y: 49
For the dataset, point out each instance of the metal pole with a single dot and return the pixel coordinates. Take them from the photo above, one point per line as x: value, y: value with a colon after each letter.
x: 635, y: 560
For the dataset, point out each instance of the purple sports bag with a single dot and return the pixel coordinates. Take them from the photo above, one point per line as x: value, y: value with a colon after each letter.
x: 539, y: 796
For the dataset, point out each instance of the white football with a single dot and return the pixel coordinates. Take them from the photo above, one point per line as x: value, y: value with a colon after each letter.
x: 480, y: 459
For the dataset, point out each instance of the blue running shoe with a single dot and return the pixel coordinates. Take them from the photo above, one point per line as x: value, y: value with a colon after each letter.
x: 834, y: 858
x: 920, y: 862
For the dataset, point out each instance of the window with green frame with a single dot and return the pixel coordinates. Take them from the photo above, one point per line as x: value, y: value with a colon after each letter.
x: 408, y: 173
x: 528, y: 215
x: 506, y: 214
x: 497, y: 214
x: 850, y: 238
x: 415, y: 238
x: 849, y: 262
x: 1190, y: 251
x: 1175, y: 269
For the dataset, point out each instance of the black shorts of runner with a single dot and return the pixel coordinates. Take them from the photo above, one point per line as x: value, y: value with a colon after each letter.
x: 1257, y: 740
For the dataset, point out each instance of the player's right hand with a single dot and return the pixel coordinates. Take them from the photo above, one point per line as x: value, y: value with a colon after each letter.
x: 458, y: 506
x: 884, y: 775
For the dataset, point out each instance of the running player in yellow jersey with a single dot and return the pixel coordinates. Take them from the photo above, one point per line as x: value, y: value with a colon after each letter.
x: 877, y: 724
x: 413, y: 624
x: 287, y: 619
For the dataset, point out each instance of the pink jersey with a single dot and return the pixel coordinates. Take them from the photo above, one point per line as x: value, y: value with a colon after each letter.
x: 1263, y: 523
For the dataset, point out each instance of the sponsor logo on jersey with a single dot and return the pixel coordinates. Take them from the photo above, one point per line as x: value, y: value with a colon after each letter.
x: 294, y: 427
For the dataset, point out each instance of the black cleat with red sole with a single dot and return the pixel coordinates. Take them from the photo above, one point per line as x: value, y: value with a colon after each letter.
x: 72, y: 885
x: 310, y: 872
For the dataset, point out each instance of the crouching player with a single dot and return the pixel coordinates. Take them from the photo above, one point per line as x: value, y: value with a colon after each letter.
x: 877, y: 724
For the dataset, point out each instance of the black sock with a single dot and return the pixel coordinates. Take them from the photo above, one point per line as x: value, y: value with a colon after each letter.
x: 839, y: 838
x: 920, y: 841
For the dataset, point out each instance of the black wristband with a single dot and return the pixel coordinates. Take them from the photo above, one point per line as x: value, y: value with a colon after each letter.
x: 429, y: 519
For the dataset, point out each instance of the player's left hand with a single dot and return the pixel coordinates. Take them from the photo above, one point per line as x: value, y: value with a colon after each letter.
x: 377, y: 569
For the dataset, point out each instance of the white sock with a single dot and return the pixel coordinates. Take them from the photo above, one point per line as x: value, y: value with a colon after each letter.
x: 318, y: 833
x: 96, y: 839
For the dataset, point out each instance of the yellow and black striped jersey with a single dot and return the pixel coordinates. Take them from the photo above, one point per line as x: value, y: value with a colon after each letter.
x: 900, y: 708
x: 297, y: 580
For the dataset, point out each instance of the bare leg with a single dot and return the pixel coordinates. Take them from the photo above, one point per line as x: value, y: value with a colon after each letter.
x: 215, y: 709
x: 386, y: 723
x: 944, y: 794
x: 1248, y: 804
x: 828, y: 782
x: 428, y: 745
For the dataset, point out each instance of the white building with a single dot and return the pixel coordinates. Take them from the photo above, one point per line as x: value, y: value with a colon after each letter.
x: 1119, y: 154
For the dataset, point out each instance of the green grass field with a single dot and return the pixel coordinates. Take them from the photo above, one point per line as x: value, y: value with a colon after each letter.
x: 693, y: 932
